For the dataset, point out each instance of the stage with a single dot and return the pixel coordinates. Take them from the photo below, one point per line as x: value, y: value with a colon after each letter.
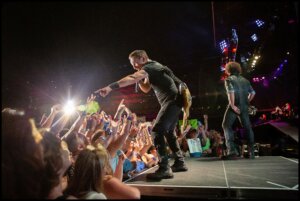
x: 266, y: 177
x: 286, y: 128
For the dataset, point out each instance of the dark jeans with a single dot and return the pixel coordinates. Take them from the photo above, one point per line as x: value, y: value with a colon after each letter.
x: 164, y: 127
x: 228, y: 121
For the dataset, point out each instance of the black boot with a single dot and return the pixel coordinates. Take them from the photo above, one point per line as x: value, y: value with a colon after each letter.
x: 232, y: 154
x: 164, y: 171
x: 179, y: 167
x: 251, y: 151
x: 161, y: 173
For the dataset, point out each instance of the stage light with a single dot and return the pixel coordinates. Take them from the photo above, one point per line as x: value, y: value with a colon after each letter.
x: 223, y: 46
x: 254, y: 37
x: 69, y: 108
x: 256, y: 57
x: 259, y: 23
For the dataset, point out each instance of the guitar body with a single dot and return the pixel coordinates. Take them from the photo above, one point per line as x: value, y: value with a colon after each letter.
x: 252, y: 110
x: 187, y: 103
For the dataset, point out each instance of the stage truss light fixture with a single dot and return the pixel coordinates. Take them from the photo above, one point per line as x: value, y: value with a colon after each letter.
x: 223, y: 46
x: 254, y: 37
x: 259, y: 23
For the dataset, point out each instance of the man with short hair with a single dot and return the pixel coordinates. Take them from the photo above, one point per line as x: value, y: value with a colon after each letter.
x: 151, y: 74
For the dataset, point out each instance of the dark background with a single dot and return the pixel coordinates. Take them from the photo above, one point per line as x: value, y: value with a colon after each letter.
x: 52, y: 51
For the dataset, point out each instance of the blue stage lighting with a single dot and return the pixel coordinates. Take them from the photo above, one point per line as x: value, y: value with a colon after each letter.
x: 223, y: 45
x: 259, y: 23
x: 254, y: 37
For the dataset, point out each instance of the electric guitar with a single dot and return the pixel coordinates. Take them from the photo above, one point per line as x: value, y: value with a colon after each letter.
x: 187, y: 103
x: 252, y: 110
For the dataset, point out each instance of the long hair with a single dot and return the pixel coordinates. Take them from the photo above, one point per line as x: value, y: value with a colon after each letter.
x: 53, y: 161
x: 89, y: 171
x: 22, y: 157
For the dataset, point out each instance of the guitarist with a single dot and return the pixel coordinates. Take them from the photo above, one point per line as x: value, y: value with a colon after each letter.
x: 240, y: 93
x: 151, y: 74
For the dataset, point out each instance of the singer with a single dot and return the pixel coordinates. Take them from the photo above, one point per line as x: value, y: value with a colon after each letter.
x: 151, y: 74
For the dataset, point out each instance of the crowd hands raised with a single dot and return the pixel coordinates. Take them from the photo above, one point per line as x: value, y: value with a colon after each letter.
x: 212, y: 142
x: 89, y: 160
x: 49, y: 160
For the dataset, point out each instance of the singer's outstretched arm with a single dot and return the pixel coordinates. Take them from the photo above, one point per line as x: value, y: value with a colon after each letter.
x: 132, y: 79
x: 126, y: 81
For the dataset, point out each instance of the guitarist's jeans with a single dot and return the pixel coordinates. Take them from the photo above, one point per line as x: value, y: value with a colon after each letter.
x: 228, y: 121
x: 164, y: 126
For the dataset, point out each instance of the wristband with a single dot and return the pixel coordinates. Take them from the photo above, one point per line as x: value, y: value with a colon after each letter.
x: 114, y: 85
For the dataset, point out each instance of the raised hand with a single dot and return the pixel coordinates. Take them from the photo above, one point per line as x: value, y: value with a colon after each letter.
x: 121, y: 105
x: 56, y: 108
x: 104, y: 91
x: 133, y: 131
x: 188, y: 127
x: 120, y: 110
x: 91, y: 98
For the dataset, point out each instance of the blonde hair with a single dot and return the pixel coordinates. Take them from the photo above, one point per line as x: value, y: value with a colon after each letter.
x: 91, y: 166
x: 138, y: 54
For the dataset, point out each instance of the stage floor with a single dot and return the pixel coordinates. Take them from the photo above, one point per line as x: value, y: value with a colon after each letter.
x: 263, y: 177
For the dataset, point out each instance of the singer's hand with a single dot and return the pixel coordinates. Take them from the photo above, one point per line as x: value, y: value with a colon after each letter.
x: 104, y: 91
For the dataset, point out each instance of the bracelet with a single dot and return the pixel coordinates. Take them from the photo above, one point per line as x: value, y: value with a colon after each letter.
x: 114, y: 85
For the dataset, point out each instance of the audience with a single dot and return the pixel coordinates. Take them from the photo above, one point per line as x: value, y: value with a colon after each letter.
x: 89, y: 159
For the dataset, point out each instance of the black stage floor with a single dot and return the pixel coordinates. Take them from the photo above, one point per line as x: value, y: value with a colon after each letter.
x: 266, y: 177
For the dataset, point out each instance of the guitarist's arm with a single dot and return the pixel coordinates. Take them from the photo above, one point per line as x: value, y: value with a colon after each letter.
x: 251, y: 94
x: 145, y: 85
x: 231, y: 102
